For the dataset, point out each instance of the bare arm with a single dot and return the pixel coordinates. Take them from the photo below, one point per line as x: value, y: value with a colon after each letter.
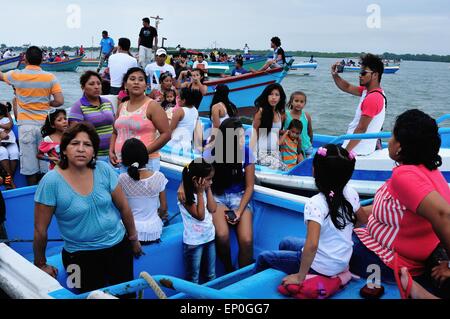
x: 177, y: 116
x: 363, y: 124
x: 342, y: 84
x: 436, y: 210
x: 249, y: 188
x: 308, y: 254
x: 162, y: 210
x: 121, y: 202
x: 215, y: 115
x: 112, y: 144
x: 210, y: 201
x: 256, y: 125
x: 362, y: 215
x: 58, y: 100
x: 197, y: 210
x: 310, y: 129
x: 158, y: 116
x: 204, y: 89
x: 42, y: 217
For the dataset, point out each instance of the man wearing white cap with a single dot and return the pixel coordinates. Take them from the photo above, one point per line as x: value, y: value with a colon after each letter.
x: 155, y: 69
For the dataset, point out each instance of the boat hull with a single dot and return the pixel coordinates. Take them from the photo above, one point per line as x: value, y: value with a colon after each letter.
x: 302, y: 68
x: 9, y: 64
x: 63, y: 66
x: 387, y: 69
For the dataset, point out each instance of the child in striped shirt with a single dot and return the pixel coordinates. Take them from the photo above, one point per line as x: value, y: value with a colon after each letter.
x: 291, y: 144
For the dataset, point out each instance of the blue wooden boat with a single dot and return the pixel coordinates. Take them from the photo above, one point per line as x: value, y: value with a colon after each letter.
x: 276, y: 215
x: 244, y: 89
x: 9, y: 63
x: 370, y: 171
x: 64, y: 66
x: 253, y: 62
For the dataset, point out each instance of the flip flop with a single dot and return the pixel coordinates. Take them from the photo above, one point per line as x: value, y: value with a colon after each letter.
x: 404, y: 294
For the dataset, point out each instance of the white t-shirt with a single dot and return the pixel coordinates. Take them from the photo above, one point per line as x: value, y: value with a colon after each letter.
x: 335, y: 246
x: 154, y: 71
x: 119, y: 64
x: 143, y: 198
x: 197, y: 232
x: 183, y: 134
x: 7, y: 54
x: 204, y: 67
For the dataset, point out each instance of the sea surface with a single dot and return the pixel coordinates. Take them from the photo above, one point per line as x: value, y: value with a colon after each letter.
x: 422, y: 85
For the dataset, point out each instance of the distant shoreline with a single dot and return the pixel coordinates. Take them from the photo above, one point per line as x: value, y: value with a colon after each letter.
x: 339, y: 55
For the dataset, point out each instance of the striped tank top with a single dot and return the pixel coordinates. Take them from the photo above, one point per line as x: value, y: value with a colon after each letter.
x: 288, y: 150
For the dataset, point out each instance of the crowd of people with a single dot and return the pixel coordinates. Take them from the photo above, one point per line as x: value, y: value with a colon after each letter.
x: 106, y: 218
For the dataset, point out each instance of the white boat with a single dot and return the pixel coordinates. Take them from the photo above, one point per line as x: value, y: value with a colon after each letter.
x: 304, y: 68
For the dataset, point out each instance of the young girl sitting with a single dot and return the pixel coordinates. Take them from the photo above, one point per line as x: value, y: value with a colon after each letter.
x: 9, y: 151
x: 330, y: 218
x: 295, y: 111
x: 196, y: 210
x: 291, y: 144
x: 144, y: 190
x: 55, y: 125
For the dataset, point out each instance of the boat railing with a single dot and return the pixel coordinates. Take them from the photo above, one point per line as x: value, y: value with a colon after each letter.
x: 443, y: 118
x: 368, y: 136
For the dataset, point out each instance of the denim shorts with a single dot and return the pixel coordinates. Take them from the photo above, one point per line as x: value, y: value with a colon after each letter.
x: 231, y: 200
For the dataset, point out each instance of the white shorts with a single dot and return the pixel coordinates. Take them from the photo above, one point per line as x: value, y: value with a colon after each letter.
x: 145, y: 56
x: 9, y: 151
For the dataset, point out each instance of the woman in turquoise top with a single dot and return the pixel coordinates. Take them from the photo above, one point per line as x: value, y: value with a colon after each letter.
x: 92, y: 213
x: 295, y: 110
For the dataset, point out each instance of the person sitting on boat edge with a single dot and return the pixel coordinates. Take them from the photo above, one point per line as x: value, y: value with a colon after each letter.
x: 371, y: 111
x: 233, y: 186
x: 411, y: 212
x: 92, y: 212
x: 295, y: 110
x: 330, y: 217
x: 279, y: 57
x: 97, y: 110
x: 145, y: 191
x: 197, y: 211
x: 238, y: 69
x: 291, y: 145
x: 267, y: 124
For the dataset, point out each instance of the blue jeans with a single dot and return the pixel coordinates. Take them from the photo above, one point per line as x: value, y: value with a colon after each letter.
x: 197, y: 257
x: 286, y: 259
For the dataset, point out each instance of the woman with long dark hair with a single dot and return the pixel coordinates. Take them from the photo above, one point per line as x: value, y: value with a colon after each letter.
x: 267, y: 124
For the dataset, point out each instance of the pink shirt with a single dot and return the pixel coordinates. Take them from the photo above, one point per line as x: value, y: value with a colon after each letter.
x: 373, y: 103
x: 394, y: 225
x: 134, y: 124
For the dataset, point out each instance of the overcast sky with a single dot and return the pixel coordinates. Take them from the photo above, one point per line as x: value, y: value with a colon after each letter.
x: 376, y: 26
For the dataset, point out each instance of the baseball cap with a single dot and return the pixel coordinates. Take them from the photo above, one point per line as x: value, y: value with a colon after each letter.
x: 161, y: 52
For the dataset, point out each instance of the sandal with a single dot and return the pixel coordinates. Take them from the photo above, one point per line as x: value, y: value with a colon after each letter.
x: 405, y: 294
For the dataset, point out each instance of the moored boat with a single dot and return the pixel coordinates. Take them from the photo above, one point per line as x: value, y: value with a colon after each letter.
x: 304, y: 68
x: 70, y: 65
x: 387, y: 69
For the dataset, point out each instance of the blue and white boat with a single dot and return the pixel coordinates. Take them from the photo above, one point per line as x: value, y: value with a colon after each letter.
x: 275, y: 216
x: 371, y: 171
x: 244, y: 89
x: 9, y: 63
x: 304, y: 68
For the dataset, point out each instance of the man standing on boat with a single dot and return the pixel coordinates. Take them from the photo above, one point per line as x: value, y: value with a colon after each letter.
x: 119, y: 64
x: 107, y: 47
x: 371, y: 111
x: 147, y: 35
x: 33, y: 89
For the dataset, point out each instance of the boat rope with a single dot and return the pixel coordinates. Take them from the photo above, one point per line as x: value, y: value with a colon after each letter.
x: 152, y: 284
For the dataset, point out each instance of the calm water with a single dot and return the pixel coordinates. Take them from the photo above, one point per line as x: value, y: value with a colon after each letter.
x: 422, y: 85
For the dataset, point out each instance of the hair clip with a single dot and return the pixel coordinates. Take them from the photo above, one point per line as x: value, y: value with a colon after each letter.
x: 136, y: 164
x: 322, y: 151
x: 352, y: 155
x: 187, y: 166
x: 331, y: 194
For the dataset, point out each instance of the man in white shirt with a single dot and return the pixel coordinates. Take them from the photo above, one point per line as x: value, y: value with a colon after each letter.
x: 155, y: 69
x: 7, y: 54
x: 119, y: 64
x: 201, y: 63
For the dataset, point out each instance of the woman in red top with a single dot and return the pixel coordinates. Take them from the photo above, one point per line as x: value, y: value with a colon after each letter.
x: 411, y: 211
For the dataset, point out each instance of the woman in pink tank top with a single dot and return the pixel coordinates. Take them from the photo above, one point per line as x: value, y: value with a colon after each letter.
x: 140, y: 117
